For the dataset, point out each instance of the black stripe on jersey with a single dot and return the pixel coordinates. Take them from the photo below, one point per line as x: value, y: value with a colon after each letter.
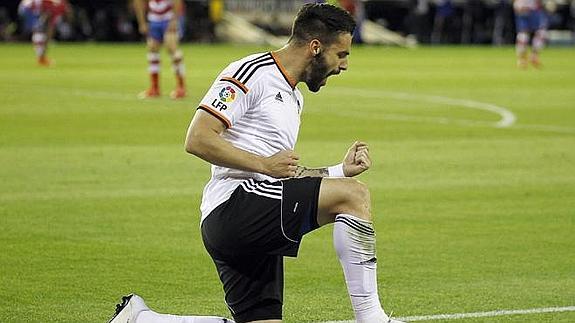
x: 250, y: 62
x: 355, y: 225
x: 254, y: 63
x: 256, y: 68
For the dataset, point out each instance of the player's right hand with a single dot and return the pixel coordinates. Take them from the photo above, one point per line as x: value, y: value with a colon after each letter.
x: 282, y: 164
x: 143, y: 28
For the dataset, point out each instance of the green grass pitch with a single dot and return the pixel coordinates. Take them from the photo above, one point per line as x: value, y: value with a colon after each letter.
x: 98, y: 197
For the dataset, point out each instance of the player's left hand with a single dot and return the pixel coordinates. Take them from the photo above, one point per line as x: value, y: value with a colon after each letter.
x: 357, y: 159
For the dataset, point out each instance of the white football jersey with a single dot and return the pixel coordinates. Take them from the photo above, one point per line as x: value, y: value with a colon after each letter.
x: 260, y: 106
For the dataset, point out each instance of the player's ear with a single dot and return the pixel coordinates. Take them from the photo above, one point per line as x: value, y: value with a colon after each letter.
x: 315, y: 47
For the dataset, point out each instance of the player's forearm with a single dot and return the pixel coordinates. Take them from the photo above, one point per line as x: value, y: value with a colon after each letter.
x: 303, y: 171
x: 217, y: 151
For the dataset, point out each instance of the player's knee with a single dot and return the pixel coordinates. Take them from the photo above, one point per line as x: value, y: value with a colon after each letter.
x: 171, y: 41
x: 153, y: 46
x: 358, y: 199
x: 172, y: 51
x: 522, y: 37
x: 360, y: 190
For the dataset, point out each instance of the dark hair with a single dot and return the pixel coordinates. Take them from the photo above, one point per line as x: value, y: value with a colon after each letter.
x: 321, y: 21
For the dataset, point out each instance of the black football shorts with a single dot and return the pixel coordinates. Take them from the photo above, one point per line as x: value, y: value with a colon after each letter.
x: 248, y: 235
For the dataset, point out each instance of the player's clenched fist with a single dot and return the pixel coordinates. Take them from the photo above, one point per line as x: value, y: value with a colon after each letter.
x: 282, y: 164
x: 357, y: 159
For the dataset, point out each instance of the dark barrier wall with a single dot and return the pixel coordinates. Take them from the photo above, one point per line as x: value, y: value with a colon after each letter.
x: 470, y: 21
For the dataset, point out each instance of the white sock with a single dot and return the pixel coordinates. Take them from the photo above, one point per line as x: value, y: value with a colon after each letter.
x: 153, y: 63
x: 178, y: 63
x: 153, y: 317
x: 521, y: 42
x: 538, y: 41
x: 354, y: 242
x: 39, y: 39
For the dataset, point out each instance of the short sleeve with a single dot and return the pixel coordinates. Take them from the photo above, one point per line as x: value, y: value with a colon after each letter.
x: 226, y: 100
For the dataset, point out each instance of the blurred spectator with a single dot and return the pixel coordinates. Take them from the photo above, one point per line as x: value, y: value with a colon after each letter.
x: 554, y: 18
x: 442, y: 21
x: 41, y: 18
x: 162, y: 22
x: 572, y: 19
x: 472, y: 21
x: 530, y: 19
x: 7, y: 26
x: 124, y: 26
x: 65, y: 30
x: 455, y: 21
x: 102, y: 26
x: 216, y: 14
x: 421, y: 21
x: 84, y: 27
x: 502, y: 22
x: 357, y: 9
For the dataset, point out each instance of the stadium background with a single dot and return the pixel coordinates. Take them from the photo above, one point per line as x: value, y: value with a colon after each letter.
x: 473, y: 182
x: 471, y: 22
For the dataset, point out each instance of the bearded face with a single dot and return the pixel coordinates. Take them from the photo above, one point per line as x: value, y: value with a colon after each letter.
x: 329, y: 60
x: 317, y: 73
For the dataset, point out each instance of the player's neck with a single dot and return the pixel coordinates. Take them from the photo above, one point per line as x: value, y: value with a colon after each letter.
x: 293, y: 60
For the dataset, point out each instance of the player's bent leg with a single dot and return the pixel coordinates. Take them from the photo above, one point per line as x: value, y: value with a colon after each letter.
x: 133, y: 309
x: 346, y: 202
x: 343, y: 196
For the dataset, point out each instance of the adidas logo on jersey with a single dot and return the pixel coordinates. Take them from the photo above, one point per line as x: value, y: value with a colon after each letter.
x: 279, y: 97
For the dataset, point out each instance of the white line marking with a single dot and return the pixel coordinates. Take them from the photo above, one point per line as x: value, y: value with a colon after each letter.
x: 507, y: 118
x: 458, y: 316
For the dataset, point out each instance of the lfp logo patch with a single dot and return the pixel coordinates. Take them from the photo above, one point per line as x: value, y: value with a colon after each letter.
x: 228, y: 94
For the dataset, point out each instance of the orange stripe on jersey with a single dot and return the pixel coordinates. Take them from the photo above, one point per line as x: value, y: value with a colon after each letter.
x: 285, y: 74
x: 216, y: 114
x: 236, y: 83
